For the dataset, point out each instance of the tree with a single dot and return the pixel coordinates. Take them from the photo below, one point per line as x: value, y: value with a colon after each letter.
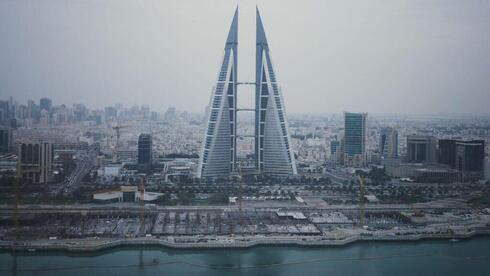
x: 219, y: 198
x: 185, y: 197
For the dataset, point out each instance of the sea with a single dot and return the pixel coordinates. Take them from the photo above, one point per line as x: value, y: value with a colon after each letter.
x: 428, y: 257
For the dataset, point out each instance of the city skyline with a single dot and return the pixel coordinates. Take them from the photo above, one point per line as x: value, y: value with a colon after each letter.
x: 445, y: 71
x: 136, y: 135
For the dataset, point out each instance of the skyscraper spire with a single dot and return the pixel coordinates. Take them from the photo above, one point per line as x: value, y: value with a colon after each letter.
x: 260, y: 32
x: 218, y: 153
x: 233, y: 32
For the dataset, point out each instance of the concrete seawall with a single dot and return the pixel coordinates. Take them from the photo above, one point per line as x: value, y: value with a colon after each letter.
x: 237, y: 242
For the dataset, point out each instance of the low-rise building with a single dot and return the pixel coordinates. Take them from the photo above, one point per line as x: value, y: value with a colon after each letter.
x: 126, y: 194
x: 422, y: 172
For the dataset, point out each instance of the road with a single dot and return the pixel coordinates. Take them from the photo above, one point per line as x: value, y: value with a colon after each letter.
x: 84, y: 164
x: 337, y: 177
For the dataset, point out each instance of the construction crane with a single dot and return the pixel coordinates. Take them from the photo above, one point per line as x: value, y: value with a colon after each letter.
x: 142, y: 205
x: 16, y: 208
x: 117, y: 128
x: 240, y: 190
x: 361, y: 200
x: 142, y: 216
x: 239, y: 178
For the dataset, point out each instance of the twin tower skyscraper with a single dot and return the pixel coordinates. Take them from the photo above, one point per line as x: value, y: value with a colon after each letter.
x: 273, y: 155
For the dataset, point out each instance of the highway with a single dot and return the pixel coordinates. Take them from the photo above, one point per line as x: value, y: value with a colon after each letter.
x: 84, y: 164
x: 338, y: 178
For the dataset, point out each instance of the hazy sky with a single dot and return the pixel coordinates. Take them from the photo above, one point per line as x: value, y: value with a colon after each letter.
x: 383, y: 56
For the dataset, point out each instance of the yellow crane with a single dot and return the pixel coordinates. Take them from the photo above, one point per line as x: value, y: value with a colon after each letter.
x: 361, y: 200
x: 240, y: 190
x: 142, y: 205
x: 239, y: 178
x: 117, y: 128
x: 16, y: 208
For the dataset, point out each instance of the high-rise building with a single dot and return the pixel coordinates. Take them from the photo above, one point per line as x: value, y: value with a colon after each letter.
x: 355, y: 138
x: 470, y: 156
x: 110, y: 113
x: 33, y: 110
x: 446, y: 153
x: 35, y: 161
x: 46, y: 104
x: 5, y: 112
x: 467, y: 156
x: 486, y: 169
x: 145, y: 149
x: 336, y: 154
x: 44, y: 119
x: 273, y: 155
x: 145, y: 111
x: 421, y: 149
x: 272, y: 140
x: 5, y: 139
x: 388, y: 143
x: 170, y: 115
x: 80, y: 112
x: 218, y: 154
x: 334, y: 146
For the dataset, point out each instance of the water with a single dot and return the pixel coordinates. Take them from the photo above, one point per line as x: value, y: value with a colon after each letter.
x: 468, y: 257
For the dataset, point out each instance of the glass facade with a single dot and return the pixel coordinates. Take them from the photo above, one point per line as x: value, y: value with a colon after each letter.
x: 421, y: 149
x: 145, y: 149
x: 272, y: 147
x: 218, y: 153
x: 273, y: 153
x: 355, y: 133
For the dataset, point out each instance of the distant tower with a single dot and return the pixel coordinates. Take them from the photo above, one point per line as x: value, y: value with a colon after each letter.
x: 145, y: 149
x: 388, y: 143
x: 110, y: 113
x: 355, y: 138
x: 45, y: 103
x: 446, y: 153
x: 170, y: 115
x: 5, y: 139
x: 334, y: 147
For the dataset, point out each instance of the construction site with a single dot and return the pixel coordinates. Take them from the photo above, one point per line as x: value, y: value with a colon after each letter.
x: 140, y: 220
x: 159, y: 222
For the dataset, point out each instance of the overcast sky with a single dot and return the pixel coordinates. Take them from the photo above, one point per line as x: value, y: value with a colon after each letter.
x: 382, y: 56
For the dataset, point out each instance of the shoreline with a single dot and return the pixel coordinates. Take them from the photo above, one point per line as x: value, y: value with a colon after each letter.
x: 239, y: 242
